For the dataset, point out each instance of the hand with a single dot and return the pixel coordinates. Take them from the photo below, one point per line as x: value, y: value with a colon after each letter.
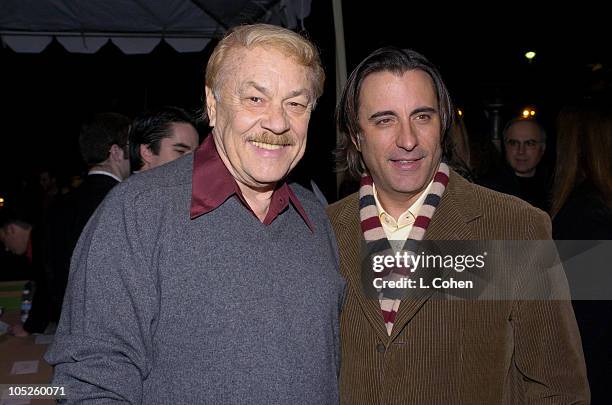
x: 17, y: 330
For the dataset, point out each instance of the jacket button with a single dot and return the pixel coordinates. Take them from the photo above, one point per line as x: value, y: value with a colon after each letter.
x: 380, y: 348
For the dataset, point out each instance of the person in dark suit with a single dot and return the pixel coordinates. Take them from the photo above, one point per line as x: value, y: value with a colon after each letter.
x: 524, y: 174
x: 103, y: 144
x: 394, y: 114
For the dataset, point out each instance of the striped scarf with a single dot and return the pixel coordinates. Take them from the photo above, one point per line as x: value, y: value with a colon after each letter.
x: 376, y: 239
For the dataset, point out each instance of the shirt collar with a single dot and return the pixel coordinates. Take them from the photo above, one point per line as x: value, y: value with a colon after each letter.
x: 212, y: 185
x: 105, y: 173
x: 407, y: 217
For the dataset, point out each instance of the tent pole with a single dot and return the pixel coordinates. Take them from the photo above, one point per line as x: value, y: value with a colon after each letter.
x: 340, y: 68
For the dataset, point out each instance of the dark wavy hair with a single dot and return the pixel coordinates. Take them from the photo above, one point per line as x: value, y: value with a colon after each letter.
x: 150, y: 128
x: 101, y: 132
x: 397, y: 61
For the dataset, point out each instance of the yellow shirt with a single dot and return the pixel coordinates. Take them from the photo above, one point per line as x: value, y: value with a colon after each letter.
x: 398, y: 230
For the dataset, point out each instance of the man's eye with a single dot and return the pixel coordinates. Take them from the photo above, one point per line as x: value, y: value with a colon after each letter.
x: 255, y: 100
x: 383, y: 121
x: 422, y: 117
x: 296, y: 106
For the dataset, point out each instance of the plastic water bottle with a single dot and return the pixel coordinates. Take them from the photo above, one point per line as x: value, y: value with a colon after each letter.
x: 26, y: 301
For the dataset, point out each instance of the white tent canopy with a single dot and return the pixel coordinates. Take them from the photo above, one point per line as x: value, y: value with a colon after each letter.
x: 136, y: 26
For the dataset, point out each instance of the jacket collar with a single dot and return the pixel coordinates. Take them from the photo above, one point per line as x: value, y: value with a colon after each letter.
x: 458, y: 207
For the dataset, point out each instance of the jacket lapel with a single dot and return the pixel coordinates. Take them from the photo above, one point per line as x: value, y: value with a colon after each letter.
x: 457, y: 208
x: 350, y: 247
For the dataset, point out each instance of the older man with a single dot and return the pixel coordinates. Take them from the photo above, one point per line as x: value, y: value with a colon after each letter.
x: 431, y: 345
x: 524, y: 176
x: 210, y: 279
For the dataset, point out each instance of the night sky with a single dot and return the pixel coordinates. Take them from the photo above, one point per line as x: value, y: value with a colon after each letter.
x: 479, y: 52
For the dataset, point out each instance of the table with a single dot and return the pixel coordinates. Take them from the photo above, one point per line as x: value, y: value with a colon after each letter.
x: 14, y: 349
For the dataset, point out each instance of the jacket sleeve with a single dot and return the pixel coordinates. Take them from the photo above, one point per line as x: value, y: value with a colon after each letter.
x: 548, y: 350
x: 102, y: 349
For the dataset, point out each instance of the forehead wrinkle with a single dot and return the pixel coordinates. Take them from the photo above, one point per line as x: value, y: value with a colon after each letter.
x: 252, y: 84
x: 267, y: 82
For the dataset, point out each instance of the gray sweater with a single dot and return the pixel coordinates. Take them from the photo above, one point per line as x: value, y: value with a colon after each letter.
x: 221, y: 309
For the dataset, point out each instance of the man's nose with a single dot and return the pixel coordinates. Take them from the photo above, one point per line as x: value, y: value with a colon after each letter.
x: 406, y: 137
x: 275, y: 120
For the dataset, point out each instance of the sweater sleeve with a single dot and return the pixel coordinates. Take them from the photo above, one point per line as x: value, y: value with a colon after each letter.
x: 102, y: 349
x: 548, y: 352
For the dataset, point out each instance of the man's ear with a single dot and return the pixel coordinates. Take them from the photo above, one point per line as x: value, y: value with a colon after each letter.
x: 117, y: 153
x: 146, y: 153
x: 211, y: 107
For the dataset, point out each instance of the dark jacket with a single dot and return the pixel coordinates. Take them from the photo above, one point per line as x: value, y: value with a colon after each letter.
x: 68, y: 217
x: 535, y: 190
x: 585, y: 216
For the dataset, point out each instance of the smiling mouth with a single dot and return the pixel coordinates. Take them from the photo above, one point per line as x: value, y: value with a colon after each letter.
x: 405, y: 161
x: 268, y: 146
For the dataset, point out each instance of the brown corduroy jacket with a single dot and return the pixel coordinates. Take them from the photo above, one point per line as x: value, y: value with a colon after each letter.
x: 458, y: 352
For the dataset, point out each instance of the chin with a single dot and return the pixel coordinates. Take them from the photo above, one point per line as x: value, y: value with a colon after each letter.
x: 268, y: 178
x: 412, y: 186
x: 271, y: 173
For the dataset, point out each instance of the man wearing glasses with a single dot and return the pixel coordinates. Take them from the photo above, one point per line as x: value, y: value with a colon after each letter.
x: 524, y: 146
x: 525, y: 142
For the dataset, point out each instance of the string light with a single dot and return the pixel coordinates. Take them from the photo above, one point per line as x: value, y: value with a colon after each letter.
x: 528, y: 112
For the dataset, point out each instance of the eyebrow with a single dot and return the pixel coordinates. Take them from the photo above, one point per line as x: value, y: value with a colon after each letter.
x: 423, y: 109
x: 392, y: 113
x: 257, y: 87
x: 300, y: 92
x: 266, y: 91
x: 181, y: 145
x: 381, y: 114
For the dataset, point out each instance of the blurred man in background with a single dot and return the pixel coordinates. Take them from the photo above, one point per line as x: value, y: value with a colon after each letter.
x: 18, y: 236
x: 160, y: 137
x: 103, y: 145
x: 524, y: 177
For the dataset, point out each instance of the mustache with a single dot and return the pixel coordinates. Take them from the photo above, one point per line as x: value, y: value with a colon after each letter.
x: 272, y: 139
